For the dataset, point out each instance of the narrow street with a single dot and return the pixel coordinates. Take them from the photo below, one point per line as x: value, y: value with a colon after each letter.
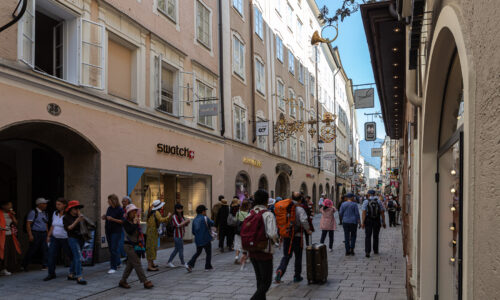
x: 379, y: 277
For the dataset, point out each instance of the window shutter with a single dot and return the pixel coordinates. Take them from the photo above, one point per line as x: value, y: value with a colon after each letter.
x: 92, y: 54
x: 27, y: 53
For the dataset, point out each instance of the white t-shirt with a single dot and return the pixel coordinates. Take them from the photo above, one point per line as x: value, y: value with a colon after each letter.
x: 57, y: 222
x: 8, y: 221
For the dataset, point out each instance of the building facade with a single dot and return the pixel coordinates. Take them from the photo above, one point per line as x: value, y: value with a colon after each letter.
x: 433, y: 63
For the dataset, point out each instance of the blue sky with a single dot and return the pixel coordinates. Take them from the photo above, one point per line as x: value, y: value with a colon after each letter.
x: 356, y: 61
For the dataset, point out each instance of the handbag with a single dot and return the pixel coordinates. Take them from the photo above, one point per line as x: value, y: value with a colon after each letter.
x: 212, y: 232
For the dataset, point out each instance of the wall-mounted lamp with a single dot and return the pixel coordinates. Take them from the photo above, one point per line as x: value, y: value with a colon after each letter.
x: 453, y: 208
x: 453, y: 172
x: 452, y: 260
x: 452, y: 227
x: 453, y: 190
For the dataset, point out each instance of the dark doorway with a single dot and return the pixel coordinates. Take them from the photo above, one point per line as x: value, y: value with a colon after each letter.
x: 283, y: 186
x: 47, y: 176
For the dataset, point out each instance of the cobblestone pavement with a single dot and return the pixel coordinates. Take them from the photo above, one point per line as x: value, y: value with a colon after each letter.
x: 380, y: 277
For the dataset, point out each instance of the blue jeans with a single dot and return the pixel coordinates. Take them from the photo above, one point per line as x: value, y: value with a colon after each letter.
x: 350, y: 235
x: 114, y: 249
x: 122, y: 241
x: 39, y: 244
x: 179, y: 248
x: 208, y: 258
x: 76, y: 261
x: 54, y: 251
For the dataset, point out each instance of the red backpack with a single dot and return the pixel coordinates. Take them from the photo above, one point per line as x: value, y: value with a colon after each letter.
x: 253, y: 232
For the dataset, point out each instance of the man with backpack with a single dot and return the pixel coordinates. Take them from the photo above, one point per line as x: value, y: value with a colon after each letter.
x: 292, y: 224
x: 373, y: 211
x: 391, y: 209
x: 36, y: 226
x: 258, y: 235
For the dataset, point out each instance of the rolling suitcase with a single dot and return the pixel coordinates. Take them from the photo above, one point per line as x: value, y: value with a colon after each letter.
x: 317, y: 263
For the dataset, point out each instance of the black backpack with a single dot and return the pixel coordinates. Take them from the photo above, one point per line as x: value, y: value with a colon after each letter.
x: 390, y: 205
x: 373, y: 209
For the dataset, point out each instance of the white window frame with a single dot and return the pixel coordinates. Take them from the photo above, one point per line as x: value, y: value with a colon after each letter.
x: 260, y: 76
x: 278, y: 7
x: 279, y: 48
x: 302, y: 150
x: 312, y: 85
x: 199, y: 3
x: 242, y: 124
x: 301, y: 73
x: 298, y: 34
x: 291, y: 63
x: 259, y: 23
x: 238, y: 70
x: 214, y: 118
x: 301, y: 109
x: 103, y: 54
x: 161, y: 64
x: 239, y: 7
x: 293, y: 148
x: 164, y: 10
x: 283, y: 148
x: 280, y: 96
x: 29, y: 13
x: 292, y: 103
x: 289, y: 17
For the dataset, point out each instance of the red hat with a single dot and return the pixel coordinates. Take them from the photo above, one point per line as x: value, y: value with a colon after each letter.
x: 73, y: 203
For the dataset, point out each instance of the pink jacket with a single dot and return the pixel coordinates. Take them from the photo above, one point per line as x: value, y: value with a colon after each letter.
x: 328, y: 219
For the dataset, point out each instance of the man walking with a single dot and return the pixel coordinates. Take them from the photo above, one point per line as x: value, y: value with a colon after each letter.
x: 293, y: 244
x: 391, y: 209
x: 201, y: 229
x: 373, y: 210
x: 261, y: 258
x: 37, y: 228
x: 225, y: 231
x: 349, y: 212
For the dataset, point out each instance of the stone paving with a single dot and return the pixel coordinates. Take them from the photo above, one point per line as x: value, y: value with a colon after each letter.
x: 380, y: 277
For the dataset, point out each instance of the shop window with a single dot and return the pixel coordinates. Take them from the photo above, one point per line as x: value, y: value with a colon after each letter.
x: 293, y: 148
x: 169, y: 8
x: 259, y: 23
x: 281, y: 95
x: 203, y: 24
x: 120, y: 68
x: 205, y: 96
x: 240, y: 121
x: 260, y: 76
x: 49, y: 40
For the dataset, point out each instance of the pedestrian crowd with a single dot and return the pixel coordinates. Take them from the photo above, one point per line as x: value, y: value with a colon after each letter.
x: 254, y: 227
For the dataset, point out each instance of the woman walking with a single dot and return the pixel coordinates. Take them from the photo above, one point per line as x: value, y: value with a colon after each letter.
x: 154, y: 221
x: 71, y: 221
x: 114, y: 229
x: 57, y: 238
x: 179, y: 228
x: 243, y: 212
x: 328, y: 223
x: 9, y: 246
x: 134, y: 247
x: 126, y: 200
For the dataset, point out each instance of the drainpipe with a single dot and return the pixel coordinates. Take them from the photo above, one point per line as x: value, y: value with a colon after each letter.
x: 251, y: 23
x: 221, y: 73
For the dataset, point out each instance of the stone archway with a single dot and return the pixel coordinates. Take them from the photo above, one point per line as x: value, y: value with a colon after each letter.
x: 242, y: 185
x: 283, y: 186
x: 263, y: 184
x: 303, y: 189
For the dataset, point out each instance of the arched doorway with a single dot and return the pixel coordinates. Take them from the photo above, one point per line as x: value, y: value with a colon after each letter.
x: 320, y: 190
x: 327, y: 191
x: 53, y: 161
x: 263, y: 185
x: 282, y: 186
x: 303, y: 189
x: 242, y: 185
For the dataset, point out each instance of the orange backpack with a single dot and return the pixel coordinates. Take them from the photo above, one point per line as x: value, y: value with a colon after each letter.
x: 285, y: 217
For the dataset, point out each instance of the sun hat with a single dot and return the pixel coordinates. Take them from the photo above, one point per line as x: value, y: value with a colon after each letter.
x: 328, y: 203
x: 157, y: 204
x: 271, y: 201
x: 41, y: 201
x: 130, y: 208
x: 127, y: 198
x: 73, y: 203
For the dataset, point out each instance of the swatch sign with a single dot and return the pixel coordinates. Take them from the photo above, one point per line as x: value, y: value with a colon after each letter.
x: 175, y: 150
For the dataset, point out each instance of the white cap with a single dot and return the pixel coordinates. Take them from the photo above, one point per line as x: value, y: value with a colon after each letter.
x: 41, y: 201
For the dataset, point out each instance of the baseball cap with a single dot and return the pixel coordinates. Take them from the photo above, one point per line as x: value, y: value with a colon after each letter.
x: 41, y: 201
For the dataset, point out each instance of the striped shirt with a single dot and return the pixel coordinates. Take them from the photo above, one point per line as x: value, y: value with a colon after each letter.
x: 178, y: 228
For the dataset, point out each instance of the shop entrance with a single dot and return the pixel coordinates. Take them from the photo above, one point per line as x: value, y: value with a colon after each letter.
x: 303, y: 189
x: 263, y: 185
x: 283, y: 186
x: 40, y: 159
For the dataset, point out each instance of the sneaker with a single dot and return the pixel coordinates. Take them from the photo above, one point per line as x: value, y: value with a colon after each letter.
x: 49, y: 277
x: 188, y: 268
x: 111, y: 271
x: 243, y: 267
x: 170, y: 265
x: 81, y: 281
x: 297, y: 279
x: 186, y: 265
x: 4, y: 272
x: 236, y: 260
x: 330, y: 250
x: 277, y: 279
x: 44, y: 268
x: 210, y: 269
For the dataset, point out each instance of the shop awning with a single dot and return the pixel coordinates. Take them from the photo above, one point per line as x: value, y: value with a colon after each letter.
x: 386, y: 43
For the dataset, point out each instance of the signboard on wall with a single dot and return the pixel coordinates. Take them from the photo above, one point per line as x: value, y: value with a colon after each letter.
x: 262, y: 128
x: 370, y: 131
x: 363, y: 98
x: 377, y: 152
x: 208, y: 109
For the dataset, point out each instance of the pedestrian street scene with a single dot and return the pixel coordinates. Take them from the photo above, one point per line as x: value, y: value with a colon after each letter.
x: 249, y: 149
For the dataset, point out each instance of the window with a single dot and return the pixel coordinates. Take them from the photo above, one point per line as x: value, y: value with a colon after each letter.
x: 282, y: 146
x: 312, y: 86
x: 262, y: 139
x: 260, y: 77
x: 292, y: 103
x: 298, y: 34
x: 301, y: 73
x: 302, y: 150
x: 278, y: 6
x: 290, y: 17
x: 167, y: 90
x: 293, y: 148
x: 279, y: 49
x: 291, y: 63
x: 240, y: 125
x: 259, y: 27
x: 49, y: 43
x: 120, y: 66
x: 205, y: 96
x: 301, y: 109
x: 238, y: 5
x: 202, y: 24
x: 281, y: 95
x: 169, y: 8
x: 238, y: 57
